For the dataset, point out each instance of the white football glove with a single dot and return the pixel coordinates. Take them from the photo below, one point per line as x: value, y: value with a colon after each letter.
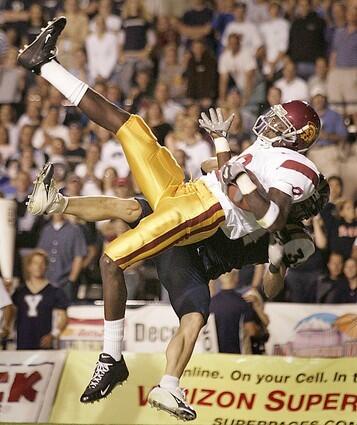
x: 275, y: 252
x: 215, y: 125
x: 230, y: 171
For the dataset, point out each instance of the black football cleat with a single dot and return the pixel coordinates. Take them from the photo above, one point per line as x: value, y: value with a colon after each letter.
x: 43, y: 48
x: 108, y: 374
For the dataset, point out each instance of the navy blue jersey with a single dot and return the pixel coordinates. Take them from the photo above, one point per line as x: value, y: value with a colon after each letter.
x: 34, y: 314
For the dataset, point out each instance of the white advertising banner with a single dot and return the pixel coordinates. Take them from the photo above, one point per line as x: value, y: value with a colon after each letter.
x: 312, y: 330
x: 28, y: 384
x: 148, y: 329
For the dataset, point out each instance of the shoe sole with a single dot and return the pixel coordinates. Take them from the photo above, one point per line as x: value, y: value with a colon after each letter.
x: 120, y: 384
x: 176, y: 413
x: 39, y: 180
x: 26, y: 47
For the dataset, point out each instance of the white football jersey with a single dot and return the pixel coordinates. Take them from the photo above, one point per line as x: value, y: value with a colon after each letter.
x: 280, y: 168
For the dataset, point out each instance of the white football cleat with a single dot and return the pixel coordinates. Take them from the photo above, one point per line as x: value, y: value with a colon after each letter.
x: 45, y: 197
x: 173, y: 402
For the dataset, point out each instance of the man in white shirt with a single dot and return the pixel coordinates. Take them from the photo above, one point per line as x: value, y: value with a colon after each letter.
x: 238, y: 64
x: 291, y: 86
x: 275, y: 33
x: 251, y: 38
x: 102, y: 51
x: 196, y: 149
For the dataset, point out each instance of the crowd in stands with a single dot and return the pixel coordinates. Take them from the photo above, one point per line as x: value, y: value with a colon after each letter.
x: 169, y: 60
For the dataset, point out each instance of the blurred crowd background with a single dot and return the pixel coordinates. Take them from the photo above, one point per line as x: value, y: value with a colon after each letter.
x: 168, y: 60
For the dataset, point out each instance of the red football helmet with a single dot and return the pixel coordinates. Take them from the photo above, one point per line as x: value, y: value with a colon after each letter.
x: 294, y: 125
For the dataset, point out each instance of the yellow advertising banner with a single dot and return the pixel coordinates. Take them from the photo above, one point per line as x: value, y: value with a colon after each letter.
x: 224, y: 389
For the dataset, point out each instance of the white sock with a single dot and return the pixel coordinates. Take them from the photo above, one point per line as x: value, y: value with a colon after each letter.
x: 169, y: 382
x: 113, y: 338
x: 69, y: 85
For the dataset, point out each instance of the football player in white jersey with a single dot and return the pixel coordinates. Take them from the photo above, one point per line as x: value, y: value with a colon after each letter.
x: 273, y: 168
x: 182, y: 213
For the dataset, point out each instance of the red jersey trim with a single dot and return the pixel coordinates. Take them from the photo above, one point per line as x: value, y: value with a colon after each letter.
x: 303, y: 169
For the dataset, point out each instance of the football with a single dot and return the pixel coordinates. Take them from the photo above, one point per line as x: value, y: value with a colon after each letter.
x: 235, y: 195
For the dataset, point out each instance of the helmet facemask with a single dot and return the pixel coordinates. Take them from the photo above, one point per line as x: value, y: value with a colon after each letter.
x: 283, y: 133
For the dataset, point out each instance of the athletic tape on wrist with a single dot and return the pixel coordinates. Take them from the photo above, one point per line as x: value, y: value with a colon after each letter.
x: 245, y: 184
x: 221, y: 144
x: 270, y: 216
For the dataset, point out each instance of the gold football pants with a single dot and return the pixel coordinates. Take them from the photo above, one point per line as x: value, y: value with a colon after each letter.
x: 183, y: 213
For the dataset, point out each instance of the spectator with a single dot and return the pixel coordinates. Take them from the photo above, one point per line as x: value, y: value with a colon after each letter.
x: 274, y: 96
x: 57, y: 151
x: 239, y: 65
x: 37, y: 301
x: 109, y: 182
x: 328, y: 148
x: 350, y: 271
x: 196, y: 149
x: 79, y: 66
x: 102, y: 51
x: 248, y: 32
x: 171, y: 72
x: 222, y: 17
x: 156, y: 122
x: 233, y: 103
x: 196, y: 23
x: 331, y: 287
x: 114, y: 93
x: 111, y: 152
x: 36, y: 21
x: 12, y: 81
x: 75, y: 152
x: 169, y: 107
x: 257, y: 11
x: 136, y: 40
x: 6, y: 314
x: 31, y: 116
x: 338, y: 20
x: 275, y: 32
x: 342, y: 230
x: 234, y: 317
x: 341, y: 90
x: 50, y: 127
x: 201, y: 74
x: 6, y: 150
x: 308, y: 29
x: 7, y: 119
x: 291, y: 86
x: 166, y: 33
x: 261, y: 319
x: 28, y: 226
x: 336, y: 191
x: 66, y: 246
x: 319, y: 78
x: 140, y: 91
x: 112, y: 20
x: 91, y: 171
x: 239, y: 139
x: 74, y: 34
